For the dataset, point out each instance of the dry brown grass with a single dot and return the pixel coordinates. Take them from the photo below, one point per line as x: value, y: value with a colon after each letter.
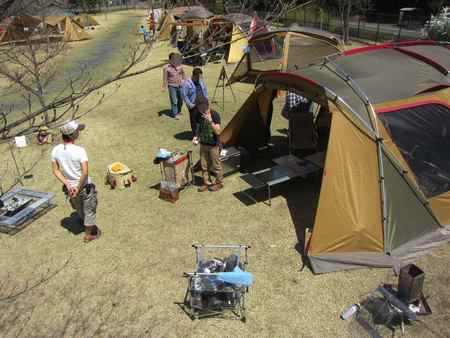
x: 127, y: 283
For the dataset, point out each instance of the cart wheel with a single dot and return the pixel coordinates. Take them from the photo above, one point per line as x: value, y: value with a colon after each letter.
x: 243, y: 319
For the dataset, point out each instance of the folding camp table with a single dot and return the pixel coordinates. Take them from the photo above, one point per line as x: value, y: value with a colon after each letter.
x: 287, y: 168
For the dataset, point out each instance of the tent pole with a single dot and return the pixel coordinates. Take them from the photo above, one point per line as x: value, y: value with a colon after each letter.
x: 340, y: 103
x: 383, y: 198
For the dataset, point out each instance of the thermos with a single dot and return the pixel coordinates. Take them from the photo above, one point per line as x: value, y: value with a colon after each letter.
x: 346, y: 314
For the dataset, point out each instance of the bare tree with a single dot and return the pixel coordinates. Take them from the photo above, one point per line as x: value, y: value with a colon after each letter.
x: 50, y: 99
x: 435, y: 6
x: 29, y: 69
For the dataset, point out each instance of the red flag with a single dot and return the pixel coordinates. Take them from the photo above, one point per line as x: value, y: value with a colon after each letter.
x: 257, y: 26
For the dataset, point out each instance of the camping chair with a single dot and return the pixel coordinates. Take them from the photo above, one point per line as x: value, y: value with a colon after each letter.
x: 302, y: 134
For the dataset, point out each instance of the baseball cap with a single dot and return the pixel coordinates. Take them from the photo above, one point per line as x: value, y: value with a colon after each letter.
x: 70, y: 127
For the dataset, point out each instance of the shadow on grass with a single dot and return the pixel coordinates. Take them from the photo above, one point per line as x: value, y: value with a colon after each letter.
x: 253, y: 196
x: 184, y: 135
x: 301, y: 194
x: 73, y: 224
x: 302, y: 200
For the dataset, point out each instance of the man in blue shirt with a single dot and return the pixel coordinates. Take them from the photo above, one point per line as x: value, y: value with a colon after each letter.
x: 145, y: 33
x: 191, y: 89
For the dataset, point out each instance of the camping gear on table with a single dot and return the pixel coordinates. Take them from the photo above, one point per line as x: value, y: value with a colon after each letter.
x: 218, y: 285
x: 20, y: 205
x: 119, y: 176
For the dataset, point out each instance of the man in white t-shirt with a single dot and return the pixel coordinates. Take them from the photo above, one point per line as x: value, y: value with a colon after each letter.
x: 70, y: 166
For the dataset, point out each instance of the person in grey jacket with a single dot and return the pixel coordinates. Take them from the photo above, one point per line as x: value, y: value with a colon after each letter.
x: 191, y: 89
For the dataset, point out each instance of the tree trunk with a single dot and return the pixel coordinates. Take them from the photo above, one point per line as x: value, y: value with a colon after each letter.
x: 345, y: 17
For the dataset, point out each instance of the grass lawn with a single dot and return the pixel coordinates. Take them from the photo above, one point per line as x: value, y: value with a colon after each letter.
x: 127, y: 283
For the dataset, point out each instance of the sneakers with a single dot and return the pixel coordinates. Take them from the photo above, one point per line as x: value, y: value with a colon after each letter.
x: 214, y: 187
x: 203, y: 188
x: 96, y: 233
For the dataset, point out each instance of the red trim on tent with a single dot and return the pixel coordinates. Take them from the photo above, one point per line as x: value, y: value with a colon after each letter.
x: 367, y: 49
x: 391, y: 45
x: 425, y: 59
x: 392, y: 109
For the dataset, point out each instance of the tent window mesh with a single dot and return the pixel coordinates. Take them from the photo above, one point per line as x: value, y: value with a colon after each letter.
x: 267, y: 54
x: 422, y: 134
x: 304, y: 51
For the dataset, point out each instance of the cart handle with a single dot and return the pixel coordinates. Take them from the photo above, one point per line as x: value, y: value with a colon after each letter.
x: 231, y: 246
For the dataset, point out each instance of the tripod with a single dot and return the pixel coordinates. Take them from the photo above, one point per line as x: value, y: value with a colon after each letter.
x: 222, y: 83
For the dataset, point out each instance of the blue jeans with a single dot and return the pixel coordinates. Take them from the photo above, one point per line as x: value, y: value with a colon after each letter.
x: 176, y: 101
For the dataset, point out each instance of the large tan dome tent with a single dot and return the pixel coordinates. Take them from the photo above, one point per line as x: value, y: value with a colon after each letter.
x: 385, y: 188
